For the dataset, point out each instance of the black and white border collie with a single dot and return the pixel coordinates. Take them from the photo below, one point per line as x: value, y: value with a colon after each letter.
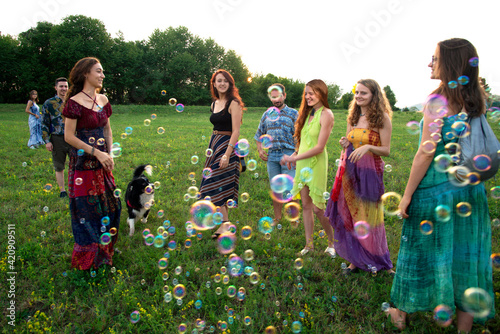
x: 139, y: 197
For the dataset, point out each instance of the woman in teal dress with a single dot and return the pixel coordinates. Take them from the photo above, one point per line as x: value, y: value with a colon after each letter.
x: 446, y: 237
x: 312, y: 129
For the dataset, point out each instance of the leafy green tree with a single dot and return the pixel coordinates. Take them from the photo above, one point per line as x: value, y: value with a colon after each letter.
x: 344, y: 101
x: 122, y: 68
x: 77, y: 37
x: 10, y: 88
x: 391, y: 97
x: 35, y: 67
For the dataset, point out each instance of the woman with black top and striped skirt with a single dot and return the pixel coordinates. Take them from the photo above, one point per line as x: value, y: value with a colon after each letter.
x: 227, y: 112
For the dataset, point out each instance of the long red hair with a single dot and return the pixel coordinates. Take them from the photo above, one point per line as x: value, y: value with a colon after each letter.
x: 232, y: 93
x: 320, y: 89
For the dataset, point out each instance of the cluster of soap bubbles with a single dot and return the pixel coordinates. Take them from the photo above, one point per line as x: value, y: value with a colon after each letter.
x: 281, y: 188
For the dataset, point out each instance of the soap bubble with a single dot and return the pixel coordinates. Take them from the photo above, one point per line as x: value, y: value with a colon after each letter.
x: 206, y: 173
x: 474, y: 61
x: 266, y: 225
x: 477, y: 302
x: 482, y: 162
x: 179, y: 291
x: 292, y: 211
x: 236, y: 266
x: 426, y: 227
x: 242, y: 148
x: 160, y: 130
x: 388, y: 168
x: 202, y: 215
x: 245, y: 197
x: 128, y: 130
x: 281, y: 183
x: 266, y: 141
x: 162, y: 263
x: 296, y: 327
x: 306, y: 174
x: 172, y: 101
x: 443, y: 315
x: 413, y: 127
x: 298, y: 263
x: 457, y: 175
x: 460, y: 129
x: 135, y: 317
x: 474, y: 178
x: 254, y: 278
x: 442, y: 163
x: 452, y: 84
x: 251, y: 164
x: 248, y: 255
x: 179, y: 107
x: 495, y: 261
x: 495, y: 192
x: 436, y: 106
x: 226, y: 243
x: 429, y: 146
x: 443, y: 213
x: 273, y: 114
x: 453, y: 148
x: 361, y: 229
x: 192, y: 191
x: 159, y: 241
x: 464, y: 209
x: 47, y: 187
x: 147, y: 122
x: 105, y: 238
x: 194, y: 159
x: 436, y: 137
x: 390, y: 201
x: 208, y: 152
x: 463, y: 80
x: 246, y: 232
x: 78, y: 181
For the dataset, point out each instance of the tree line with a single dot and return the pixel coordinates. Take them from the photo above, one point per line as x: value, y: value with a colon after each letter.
x: 172, y: 60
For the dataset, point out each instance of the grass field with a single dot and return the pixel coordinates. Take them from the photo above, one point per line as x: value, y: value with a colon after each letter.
x: 50, y: 297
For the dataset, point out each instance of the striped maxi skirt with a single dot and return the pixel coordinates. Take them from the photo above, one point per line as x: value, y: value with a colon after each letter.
x: 223, y: 184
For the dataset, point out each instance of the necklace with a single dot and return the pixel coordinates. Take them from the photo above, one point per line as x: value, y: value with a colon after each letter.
x: 99, y: 108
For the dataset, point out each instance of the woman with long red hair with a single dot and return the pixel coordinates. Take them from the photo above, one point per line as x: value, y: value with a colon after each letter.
x: 226, y: 116
x: 312, y: 130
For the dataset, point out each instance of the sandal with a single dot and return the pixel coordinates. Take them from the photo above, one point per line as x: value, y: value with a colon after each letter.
x: 348, y: 271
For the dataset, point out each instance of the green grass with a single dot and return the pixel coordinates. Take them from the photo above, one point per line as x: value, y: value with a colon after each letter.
x: 46, y: 300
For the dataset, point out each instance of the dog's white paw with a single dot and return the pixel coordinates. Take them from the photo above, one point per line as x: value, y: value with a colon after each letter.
x: 131, y: 224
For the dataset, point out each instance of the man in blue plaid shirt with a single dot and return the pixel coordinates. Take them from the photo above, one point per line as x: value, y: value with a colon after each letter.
x: 276, y: 130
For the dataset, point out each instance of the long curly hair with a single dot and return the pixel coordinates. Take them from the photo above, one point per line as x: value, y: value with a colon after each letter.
x: 232, y: 93
x: 77, y: 75
x: 376, y: 109
x: 320, y: 89
x: 452, y: 63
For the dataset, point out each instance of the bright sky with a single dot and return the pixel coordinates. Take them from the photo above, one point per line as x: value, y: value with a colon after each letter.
x: 339, y: 41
